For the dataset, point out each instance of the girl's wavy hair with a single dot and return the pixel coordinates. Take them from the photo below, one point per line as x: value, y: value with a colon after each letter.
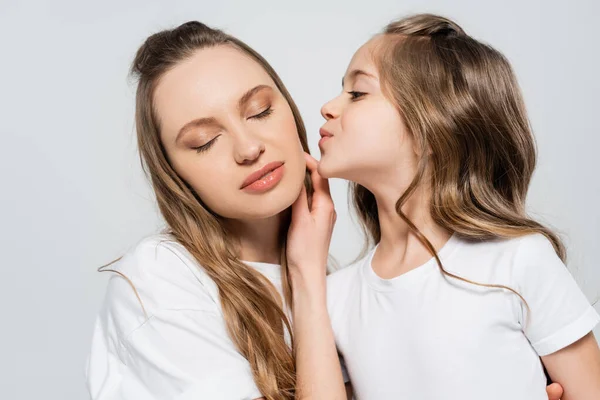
x: 461, y: 102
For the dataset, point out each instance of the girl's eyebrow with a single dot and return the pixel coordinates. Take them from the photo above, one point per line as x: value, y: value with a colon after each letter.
x: 355, y: 72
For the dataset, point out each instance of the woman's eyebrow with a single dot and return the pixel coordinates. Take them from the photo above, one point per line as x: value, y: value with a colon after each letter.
x: 194, y: 124
x: 248, y: 95
x: 211, y: 121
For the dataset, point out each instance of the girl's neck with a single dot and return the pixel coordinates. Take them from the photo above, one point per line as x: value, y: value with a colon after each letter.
x: 400, y: 249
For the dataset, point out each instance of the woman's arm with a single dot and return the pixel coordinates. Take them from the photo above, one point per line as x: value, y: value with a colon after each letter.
x: 577, y: 369
x: 319, y: 374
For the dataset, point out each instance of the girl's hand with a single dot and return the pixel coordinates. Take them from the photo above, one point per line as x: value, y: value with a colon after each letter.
x: 554, y: 391
x: 310, y: 232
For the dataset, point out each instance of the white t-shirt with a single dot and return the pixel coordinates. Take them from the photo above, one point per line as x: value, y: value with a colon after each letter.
x: 181, y: 350
x: 424, y: 336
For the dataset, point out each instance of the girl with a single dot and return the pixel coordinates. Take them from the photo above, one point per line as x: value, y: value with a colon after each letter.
x: 462, y: 289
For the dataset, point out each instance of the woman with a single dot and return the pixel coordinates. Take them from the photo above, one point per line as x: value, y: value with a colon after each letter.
x: 462, y: 289
x: 223, y: 144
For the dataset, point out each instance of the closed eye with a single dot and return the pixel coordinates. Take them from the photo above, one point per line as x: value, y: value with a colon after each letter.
x: 263, y: 114
x: 206, y: 146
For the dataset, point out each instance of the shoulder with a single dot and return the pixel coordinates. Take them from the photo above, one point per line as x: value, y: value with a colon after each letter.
x: 519, y: 260
x: 153, y: 256
x: 527, y: 249
x: 522, y: 248
x: 533, y: 249
x: 537, y: 263
x: 156, y: 274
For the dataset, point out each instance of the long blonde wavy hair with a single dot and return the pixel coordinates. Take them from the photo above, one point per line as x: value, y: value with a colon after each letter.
x: 461, y: 102
x: 254, y: 315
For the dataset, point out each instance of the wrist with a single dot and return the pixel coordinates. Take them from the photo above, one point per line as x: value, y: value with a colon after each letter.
x: 308, y: 288
x: 306, y: 277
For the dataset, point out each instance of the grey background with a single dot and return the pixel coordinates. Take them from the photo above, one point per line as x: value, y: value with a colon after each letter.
x: 73, y: 196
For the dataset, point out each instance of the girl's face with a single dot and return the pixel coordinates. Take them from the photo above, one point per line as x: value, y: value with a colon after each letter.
x: 364, y: 139
x: 230, y: 134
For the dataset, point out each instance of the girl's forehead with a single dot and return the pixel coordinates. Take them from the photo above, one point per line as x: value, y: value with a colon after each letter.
x: 362, y: 64
x: 366, y: 55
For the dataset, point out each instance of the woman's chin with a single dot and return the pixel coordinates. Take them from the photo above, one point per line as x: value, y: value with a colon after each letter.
x: 274, y: 203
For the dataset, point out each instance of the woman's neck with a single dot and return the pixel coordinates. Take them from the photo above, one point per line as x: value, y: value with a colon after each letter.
x: 259, y: 240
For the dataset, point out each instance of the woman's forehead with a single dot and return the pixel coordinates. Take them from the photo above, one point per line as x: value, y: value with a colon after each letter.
x: 220, y: 71
x: 212, y: 80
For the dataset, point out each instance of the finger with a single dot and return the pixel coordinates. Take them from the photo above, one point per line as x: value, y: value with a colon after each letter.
x: 322, y: 195
x: 319, y: 183
x: 555, y: 391
x: 300, y: 206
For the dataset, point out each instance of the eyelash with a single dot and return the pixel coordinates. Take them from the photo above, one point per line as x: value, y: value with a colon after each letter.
x: 206, y: 146
x: 263, y: 114
x: 356, y: 95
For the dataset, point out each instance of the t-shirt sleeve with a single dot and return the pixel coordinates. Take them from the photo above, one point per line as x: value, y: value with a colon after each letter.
x: 174, y: 347
x: 559, y: 314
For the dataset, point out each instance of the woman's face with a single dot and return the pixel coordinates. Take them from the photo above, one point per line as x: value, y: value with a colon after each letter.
x: 230, y: 134
x: 364, y: 139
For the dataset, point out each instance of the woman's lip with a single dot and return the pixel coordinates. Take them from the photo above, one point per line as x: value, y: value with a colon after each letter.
x: 255, y: 176
x: 266, y: 182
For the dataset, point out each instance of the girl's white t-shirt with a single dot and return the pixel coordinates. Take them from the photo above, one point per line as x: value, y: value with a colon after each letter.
x: 179, y: 347
x: 424, y: 336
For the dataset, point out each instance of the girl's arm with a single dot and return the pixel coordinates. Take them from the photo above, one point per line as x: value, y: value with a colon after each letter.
x: 577, y: 369
x: 319, y: 374
x: 557, y: 318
